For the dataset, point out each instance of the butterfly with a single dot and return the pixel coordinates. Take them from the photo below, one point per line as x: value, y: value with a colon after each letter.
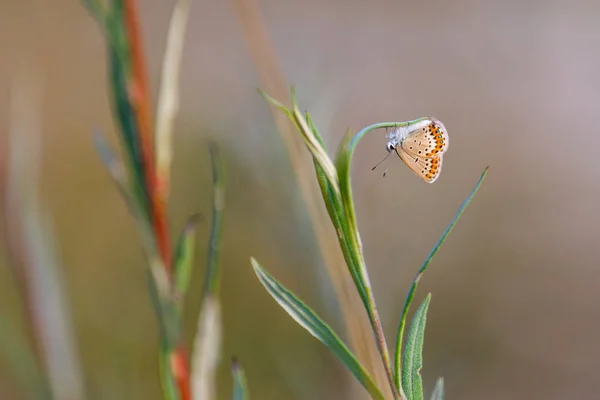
x: 421, y: 145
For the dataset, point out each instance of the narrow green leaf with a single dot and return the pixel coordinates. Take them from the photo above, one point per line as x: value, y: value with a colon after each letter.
x: 413, y: 353
x: 362, y: 281
x: 313, y: 141
x: 335, y: 210
x: 438, y: 391
x: 120, y: 71
x: 314, y: 129
x: 333, y: 201
x: 211, y: 281
x: 183, y: 259
x: 277, y: 104
x: 307, y: 318
x: 240, y: 388
x: 328, y: 182
x: 342, y: 161
x: 413, y: 288
x: 315, y: 146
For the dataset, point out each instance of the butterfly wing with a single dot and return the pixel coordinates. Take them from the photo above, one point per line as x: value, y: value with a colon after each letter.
x: 427, y: 141
x: 427, y: 168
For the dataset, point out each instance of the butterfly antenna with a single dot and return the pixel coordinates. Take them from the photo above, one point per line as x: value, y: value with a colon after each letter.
x: 379, y: 163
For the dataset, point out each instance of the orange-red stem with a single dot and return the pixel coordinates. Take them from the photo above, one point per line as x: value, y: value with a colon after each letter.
x: 140, y: 98
x: 179, y: 366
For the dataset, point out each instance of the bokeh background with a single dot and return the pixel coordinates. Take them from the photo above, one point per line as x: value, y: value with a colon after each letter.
x: 516, y: 286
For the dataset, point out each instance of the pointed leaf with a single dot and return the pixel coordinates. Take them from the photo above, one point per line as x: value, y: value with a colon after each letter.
x: 438, y: 391
x: 333, y: 203
x: 307, y: 318
x: 277, y: 104
x: 361, y: 274
x: 332, y: 200
x: 240, y: 389
x: 311, y: 139
x: 413, y: 354
x: 211, y: 281
x: 184, y: 256
x: 343, y: 161
x: 413, y: 288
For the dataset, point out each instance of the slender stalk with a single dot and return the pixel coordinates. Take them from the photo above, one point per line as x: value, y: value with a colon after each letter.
x: 351, y: 217
x: 140, y: 99
x: 211, y: 282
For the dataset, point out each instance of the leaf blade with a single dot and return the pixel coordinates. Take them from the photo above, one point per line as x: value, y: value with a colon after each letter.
x: 412, y: 382
x: 307, y: 318
x: 211, y: 282
x: 183, y: 260
x: 413, y: 288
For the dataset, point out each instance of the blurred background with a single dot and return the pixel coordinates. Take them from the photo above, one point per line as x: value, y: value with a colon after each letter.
x: 514, y: 312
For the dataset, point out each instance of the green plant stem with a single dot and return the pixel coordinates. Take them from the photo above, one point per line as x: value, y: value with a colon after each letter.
x: 343, y: 161
x: 328, y: 179
x: 380, y: 125
x: 346, y: 190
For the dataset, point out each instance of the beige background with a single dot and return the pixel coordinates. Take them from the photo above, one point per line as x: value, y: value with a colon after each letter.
x: 515, y: 288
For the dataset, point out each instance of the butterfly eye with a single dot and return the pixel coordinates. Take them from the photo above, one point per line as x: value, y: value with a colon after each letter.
x: 390, y: 147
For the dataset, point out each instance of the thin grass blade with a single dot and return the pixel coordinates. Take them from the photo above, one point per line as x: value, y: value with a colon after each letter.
x: 211, y: 282
x: 313, y: 141
x: 307, y: 318
x: 183, y: 260
x: 332, y: 201
x: 278, y: 104
x: 335, y: 209
x: 316, y: 148
x: 413, y: 288
x: 240, y: 388
x: 412, y: 382
x: 342, y: 162
x: 438, y: 391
